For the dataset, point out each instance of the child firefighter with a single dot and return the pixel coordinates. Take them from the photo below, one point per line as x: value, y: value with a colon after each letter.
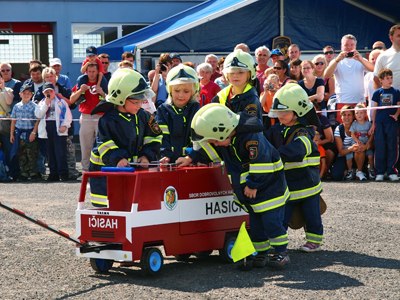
x: 255, y: 171
x: 126, y: 132
x: 293, y: 137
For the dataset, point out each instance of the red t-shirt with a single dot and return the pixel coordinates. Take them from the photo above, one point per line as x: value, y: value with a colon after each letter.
x: 208, y: 91
x: 215, y: 76
x: 92, y: 99
x: 261, y: 77
x: 98, y: 61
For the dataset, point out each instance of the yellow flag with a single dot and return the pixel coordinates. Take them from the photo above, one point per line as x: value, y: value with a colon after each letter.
x: 243, y: 246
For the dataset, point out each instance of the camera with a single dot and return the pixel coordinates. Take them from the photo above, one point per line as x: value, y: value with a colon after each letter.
x: 350, y: 54
x: 163, y: 68
x: 270, y: 86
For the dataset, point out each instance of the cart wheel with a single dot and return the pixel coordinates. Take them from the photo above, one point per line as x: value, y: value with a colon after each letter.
x: 203, y: 254
x: 152, y: 261
x: 225, y: 253
x: 101, y: 265
x: 183, y: 257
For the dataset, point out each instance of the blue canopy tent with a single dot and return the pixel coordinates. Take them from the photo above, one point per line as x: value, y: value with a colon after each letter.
x: 216, y: 26
x: 202, y: 29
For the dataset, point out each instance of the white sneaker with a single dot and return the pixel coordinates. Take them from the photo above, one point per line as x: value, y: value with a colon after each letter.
x: 361, y: 176
x: 379, y: 178
x: 393, y: 177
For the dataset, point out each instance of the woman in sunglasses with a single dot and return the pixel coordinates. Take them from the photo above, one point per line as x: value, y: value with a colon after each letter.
x: 329, y: 83
x: 281, y: 68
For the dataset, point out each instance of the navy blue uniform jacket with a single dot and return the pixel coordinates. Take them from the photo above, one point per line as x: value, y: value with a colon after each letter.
x: 300, y: 157
x: 247, y: 102
x: 252, y: 161
x: 175, y: 124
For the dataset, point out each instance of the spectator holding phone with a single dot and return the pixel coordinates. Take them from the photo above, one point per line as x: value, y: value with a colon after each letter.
x: 348, y: 68
x: 271, y: 85
x: 158, y: 86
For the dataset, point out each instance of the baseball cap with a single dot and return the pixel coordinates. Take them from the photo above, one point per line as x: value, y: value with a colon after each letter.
x: 91, y: 50
x: 24, y: 87
x: 48, y: 86
x: 55, y: 61
x: 175, y: 55
x: 276, y: 52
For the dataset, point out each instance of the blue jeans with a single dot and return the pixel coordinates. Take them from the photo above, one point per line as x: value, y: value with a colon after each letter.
x: 56, y: 150
x: 386, y: 147
x: 338, y: 168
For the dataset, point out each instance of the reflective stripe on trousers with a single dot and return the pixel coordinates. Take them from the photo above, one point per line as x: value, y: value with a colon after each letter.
x: 261, y: 246
x: 314, y: 238
x: 99, y: 199
x: 280, y: 240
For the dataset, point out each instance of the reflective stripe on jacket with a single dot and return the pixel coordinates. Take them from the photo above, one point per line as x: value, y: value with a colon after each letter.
x: 300, y: 156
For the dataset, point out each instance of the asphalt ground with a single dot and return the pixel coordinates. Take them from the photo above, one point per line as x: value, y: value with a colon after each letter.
x: 359, y: 259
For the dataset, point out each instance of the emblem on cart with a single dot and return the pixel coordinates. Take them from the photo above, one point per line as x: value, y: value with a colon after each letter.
x: 170, y: 198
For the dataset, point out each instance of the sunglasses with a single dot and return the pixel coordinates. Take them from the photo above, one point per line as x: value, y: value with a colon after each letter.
x: 6, y: 70
x: 320, y: 63
x: 105, y: 63
x: 278, y: 68
x: 378, y: 48
x: 328, y: 52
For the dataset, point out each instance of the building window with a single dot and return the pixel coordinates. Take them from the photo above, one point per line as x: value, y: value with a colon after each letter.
x: 85, y: 35
x: 20, y: 48
x: 51, y: 51
x: 16, y: 48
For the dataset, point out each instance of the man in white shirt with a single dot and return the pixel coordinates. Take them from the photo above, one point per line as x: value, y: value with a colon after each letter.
x: 368, y: 82
x: 390, y: 59
x: 348, y: 68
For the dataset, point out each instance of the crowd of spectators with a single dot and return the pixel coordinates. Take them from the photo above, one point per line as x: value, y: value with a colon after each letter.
x: 341, y: 84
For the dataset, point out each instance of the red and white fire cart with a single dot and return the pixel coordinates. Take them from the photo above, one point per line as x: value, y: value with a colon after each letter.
x: 185, y: 210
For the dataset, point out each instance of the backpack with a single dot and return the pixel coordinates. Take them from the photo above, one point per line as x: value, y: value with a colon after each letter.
x: 342, y: 133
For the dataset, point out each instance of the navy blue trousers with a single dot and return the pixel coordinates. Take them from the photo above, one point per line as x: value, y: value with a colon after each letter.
x: 268, y: 225
x: 311, y: 213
